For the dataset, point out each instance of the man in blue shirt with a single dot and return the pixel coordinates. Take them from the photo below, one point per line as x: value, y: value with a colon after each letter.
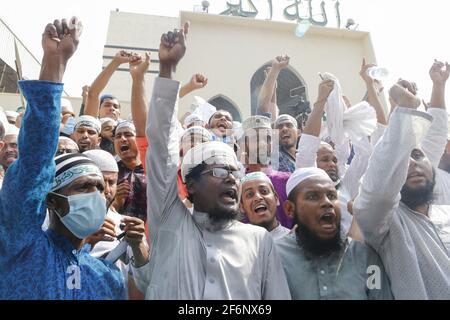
x: 54, y: 264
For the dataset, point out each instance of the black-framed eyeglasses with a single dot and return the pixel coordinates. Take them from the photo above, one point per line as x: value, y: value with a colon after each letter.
x: 63, y: 151
x: 223, y: 173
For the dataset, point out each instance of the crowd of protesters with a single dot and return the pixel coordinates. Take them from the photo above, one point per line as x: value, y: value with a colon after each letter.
x: 353, y: 203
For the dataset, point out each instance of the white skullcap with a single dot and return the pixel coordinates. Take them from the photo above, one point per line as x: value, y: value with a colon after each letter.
x: 104, y: 160
x: 125, y: 126
x: 4, y: 122
x: 63, y: 138
x: 286, y: 118
x: 256, y: 122
x: 88, y: 121
x: 192, y: 118
x: 66, y: 103
x: 302, y: 174
x: 257, y: 175
x: 11, y: 130
x: 11, y: 114
x: 105, y: 120
x: 198, y: 130
x: 213, y: 152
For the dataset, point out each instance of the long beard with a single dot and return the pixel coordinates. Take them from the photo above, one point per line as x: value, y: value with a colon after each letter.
x: 221, y: 217
x: 313, y: 244
x: 418, y: 196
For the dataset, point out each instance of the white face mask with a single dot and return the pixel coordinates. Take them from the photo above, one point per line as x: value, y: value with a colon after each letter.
x: 87, y: 213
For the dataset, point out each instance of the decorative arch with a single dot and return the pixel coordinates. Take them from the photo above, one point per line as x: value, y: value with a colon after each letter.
x: 292, y: 93
x: 221, y: 101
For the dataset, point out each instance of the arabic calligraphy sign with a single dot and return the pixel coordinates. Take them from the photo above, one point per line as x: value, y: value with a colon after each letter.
x: 297, y: 10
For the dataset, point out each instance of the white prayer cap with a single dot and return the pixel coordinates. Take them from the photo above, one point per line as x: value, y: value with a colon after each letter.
x: 257, y: 175
x: 11, y: 115
x: 88, y: 121
x: 303, y: 174
x: 11, y: 130
x: 63, y: 138
x: 125, y: 126
x: 71, y: 166
x: 66, y: 103
x: 206, y: 135
x: 4, y: 124
x: 192, y: 118
x: 106, y: 120
x: 213, y: 152
x: 286, y: 118
x: 256, y: 122
x: 104, y: 160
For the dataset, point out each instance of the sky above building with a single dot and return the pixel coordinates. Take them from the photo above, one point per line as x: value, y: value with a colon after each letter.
x: 407, y: 34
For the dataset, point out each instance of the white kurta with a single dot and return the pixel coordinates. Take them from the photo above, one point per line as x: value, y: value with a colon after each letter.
x: 415, y: 249
x: 189, y: 260
x: 279, y: 232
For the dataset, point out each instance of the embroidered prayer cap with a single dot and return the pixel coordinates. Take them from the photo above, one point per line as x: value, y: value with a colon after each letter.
x: 89, y: 122
x: 206, y: 135
x: 104, y: 160
x: 285, y: 118
x: 71, y: 166
x: 303, y: 174
x: 213, y: 152
x: 125, y: 126
x: 256, y: 122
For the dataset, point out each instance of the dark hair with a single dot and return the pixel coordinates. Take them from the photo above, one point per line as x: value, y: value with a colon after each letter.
x: 195, y: 175
x: 107, y: 96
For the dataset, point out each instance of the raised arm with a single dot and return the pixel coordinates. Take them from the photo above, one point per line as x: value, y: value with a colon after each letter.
x: 380, y: 188
x: 99, y: 84
x: 309, y: 141
x: 372, y: 93
x: 198, y: 81
x: 29, y: 178
x: 138, y: 69
x: 163, y: 154
x: 436, y: 139
x: 267, y: 95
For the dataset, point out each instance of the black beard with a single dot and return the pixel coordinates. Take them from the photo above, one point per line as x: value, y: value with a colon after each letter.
x: 413, y: 198
x: 221, y: 217
x: 313, y: 244
x: 107, y: 146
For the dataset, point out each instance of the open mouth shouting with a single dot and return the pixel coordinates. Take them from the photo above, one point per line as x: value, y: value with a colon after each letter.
x: 230, y: 196
x: 261, y: 208
x: 328, y: 223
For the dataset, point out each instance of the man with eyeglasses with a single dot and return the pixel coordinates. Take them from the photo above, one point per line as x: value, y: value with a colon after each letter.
x: 66, y: 145
x: 207, y: 254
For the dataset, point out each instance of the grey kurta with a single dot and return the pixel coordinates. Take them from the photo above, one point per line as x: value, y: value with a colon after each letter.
x: 189, y: 260
x: 414, y: 248
x: 355, y: 272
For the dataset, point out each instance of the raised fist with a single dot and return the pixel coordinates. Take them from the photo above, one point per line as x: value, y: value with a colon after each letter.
x: 60, y: 38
